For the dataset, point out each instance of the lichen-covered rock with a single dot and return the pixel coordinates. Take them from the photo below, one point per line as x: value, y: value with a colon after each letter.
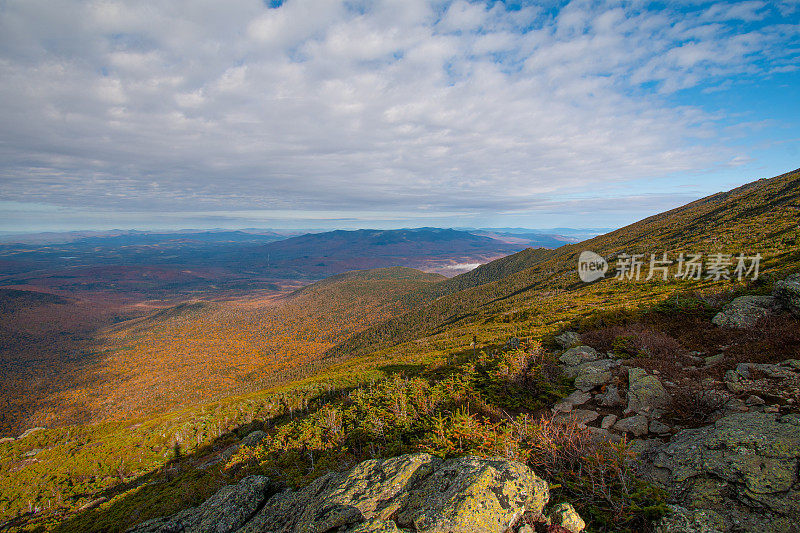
x: 636, y: 425
x: 743, y: 467
x: 600, y: 365
x: 568, y: 339
x: 565, y: 515
x: 579, y: 354
x: 415, y: 492
x: 682, y: 520
x: 591, y: 377
x: 745, y: 311
x: 645, y: 392
x: 253, y: 438
x: 787, y: 293
x: 226, y: 511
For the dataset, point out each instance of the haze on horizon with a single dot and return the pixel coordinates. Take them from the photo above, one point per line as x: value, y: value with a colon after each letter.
x: 387, y: 114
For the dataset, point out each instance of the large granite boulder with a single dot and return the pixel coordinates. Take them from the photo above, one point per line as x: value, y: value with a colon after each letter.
x: 646, y: 394
x: 579, y: 354
x: 744, y: 468
x: 416, y: 492
x: 745, y: 311
x: 787, y: 293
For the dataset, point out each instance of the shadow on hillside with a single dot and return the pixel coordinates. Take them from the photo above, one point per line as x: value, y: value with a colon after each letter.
x: 184, y: 481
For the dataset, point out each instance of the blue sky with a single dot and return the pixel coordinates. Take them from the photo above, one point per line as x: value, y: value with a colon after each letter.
x: 387, y: 113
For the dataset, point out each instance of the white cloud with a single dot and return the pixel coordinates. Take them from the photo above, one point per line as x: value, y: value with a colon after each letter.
x: 332, y: 105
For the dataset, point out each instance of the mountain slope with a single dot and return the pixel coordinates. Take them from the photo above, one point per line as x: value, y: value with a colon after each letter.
x: 761, y: 217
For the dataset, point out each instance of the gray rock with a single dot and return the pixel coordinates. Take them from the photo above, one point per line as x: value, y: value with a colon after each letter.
x: 645, y: 393
x: 743, y: 467
x: 787, y: 293
x: 578, y: 398
x: 226, y: 511
x: 636, y: 425
x: 714, y: 359
x: 565, y: 515
x: 579, y: 354
x: 599, y: 365
x: 745, y: 312
x: 253, y: 439
x: 568, y: 339
x: 592, y: 377
x: 611, y: 397
x: 562, y: 407
x: 609, y: 421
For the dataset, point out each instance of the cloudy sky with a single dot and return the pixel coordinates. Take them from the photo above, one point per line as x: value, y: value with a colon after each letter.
x: 387, y: 113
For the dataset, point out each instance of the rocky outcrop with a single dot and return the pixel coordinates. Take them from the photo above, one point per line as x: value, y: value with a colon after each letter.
x: 227, y: 510
x: 410, y: 493
x: 787, y: 293
x: 780, y: 380
x: 743, y: 469
x: 745, y: 311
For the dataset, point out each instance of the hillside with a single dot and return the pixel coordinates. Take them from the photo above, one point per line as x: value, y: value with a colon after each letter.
x: 762, y: 217
x: 202, y: 350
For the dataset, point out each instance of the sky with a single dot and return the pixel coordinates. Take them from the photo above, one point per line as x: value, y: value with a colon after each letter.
x: 387, y: 113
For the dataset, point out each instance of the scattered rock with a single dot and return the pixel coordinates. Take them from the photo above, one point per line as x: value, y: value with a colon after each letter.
x: 608, y: 421
x: 578, y: 355
x: 645, y: 393
x: 578, y: 398
x: 745, y: 311
x: 637, y: 425
x: 253, y: 439
x: 787, y: 293
x: 565, y: 515
x: 32, y: 453
x: 226, y: 511
x: 611, y: 397
x: 568, y: 339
